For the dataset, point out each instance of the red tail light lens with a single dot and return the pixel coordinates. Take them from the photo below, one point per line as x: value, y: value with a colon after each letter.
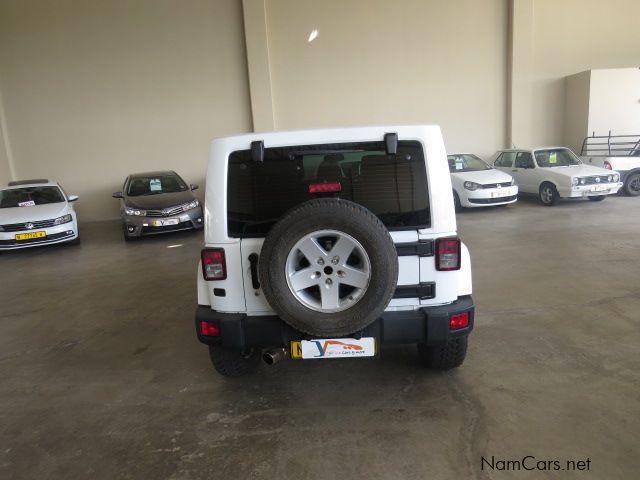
x: 448, y: 254
x: 328, y: 187
x: 214, y: 264
x: 458, y: 321
x: 209, y: 329
x: 607, y: 165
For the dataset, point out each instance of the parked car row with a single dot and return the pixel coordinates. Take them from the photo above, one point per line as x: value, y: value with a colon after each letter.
x: 550, y: 173
x: 39, y: 212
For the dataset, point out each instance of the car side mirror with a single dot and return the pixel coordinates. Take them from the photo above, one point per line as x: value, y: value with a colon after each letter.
x: 117, y: 195
x: 194, y: 186
x: 73, y: 198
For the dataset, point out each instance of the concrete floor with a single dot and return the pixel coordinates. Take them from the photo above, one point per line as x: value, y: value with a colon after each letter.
x: 102, y: 376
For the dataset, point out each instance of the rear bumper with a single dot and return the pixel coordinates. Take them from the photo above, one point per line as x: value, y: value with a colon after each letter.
x: 428, y: 325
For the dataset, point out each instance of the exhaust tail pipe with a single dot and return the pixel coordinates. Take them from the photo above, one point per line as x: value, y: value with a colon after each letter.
x: 273, y: 356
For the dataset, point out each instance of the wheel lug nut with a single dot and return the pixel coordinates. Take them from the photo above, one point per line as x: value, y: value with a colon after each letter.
x: 320, y: 261
x: 335, y: 260
x: 329, y: 282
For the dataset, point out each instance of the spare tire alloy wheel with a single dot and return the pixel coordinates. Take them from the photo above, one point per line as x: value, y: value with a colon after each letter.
x: 328, y: 268
x: 339, y: 275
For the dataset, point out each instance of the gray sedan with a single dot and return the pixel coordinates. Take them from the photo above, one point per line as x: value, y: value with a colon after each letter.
x: 158, y: 202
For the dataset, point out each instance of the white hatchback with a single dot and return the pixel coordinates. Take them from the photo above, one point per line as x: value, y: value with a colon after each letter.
x: 36, y: 212
x: 477, y: 184
x: 552, y: 173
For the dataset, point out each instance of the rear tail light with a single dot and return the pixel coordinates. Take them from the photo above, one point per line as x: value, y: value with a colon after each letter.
x: 214, y: 265
x: 607, y: 165
x: 210, y: 329
x: 458, y: 321
x: 328, y: 187
x: 448, y: 254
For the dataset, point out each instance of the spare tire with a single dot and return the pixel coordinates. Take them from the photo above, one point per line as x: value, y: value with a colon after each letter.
x: 328, y: 267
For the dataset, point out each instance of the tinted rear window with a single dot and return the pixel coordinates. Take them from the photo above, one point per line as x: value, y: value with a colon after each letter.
x: 394, y: 187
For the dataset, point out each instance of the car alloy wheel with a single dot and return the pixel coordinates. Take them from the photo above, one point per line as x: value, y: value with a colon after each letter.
x: 328, y: 271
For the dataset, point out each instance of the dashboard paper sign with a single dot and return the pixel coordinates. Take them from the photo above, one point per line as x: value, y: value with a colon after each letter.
x: 155, y: 185
x: 30, y: 203
x: 553, y: 157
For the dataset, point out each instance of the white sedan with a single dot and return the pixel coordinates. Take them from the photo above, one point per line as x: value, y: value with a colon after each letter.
x: 36, y: 212
x: 552, y: 173
x: 477, y: 184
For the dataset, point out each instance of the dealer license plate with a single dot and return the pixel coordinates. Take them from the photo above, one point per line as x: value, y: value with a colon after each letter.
x: 30, y: 235
x: 503, y: 193
x: 164, y: 223
x: 334, y: 348
x: 599, y: 188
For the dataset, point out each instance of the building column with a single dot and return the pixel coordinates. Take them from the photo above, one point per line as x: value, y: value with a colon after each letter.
x: 257, y: 44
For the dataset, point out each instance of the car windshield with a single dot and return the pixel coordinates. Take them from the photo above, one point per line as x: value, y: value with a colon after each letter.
x: 467, y: 163
x: 30, y: 196
x: 155, y: 184
x: 556, y: 157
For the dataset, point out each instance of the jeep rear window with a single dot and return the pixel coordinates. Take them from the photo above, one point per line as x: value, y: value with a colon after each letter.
x: 394, y: 187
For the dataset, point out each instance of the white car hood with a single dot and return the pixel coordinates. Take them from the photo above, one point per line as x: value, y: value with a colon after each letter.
x: 577, y: 170
x: 483, y: 177
x: 32, y: 214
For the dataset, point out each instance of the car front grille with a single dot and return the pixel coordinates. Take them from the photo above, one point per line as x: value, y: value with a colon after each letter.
x: 489, y: 201
x: 167, y: 212
x: 595, y: 179
x: 19, y: 227
x: 496, y: 185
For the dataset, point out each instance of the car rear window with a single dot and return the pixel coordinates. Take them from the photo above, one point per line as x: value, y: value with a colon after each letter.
x: 393, y: 187
x: 30, y: 196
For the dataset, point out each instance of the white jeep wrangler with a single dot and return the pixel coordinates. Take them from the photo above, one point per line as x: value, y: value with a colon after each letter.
x: 332, y: 243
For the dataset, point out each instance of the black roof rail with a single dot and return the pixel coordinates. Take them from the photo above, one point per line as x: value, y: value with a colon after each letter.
x: 27, y: 182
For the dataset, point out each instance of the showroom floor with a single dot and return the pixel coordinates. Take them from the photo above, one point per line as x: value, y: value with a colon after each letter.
x: 102, y: 376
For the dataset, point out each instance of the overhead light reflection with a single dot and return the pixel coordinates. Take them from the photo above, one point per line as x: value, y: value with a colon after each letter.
x: 175, y: 246
x: 313, y: 35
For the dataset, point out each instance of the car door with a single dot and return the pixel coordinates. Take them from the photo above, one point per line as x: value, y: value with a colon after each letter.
x: 524, y: 172
x: 504, y: 162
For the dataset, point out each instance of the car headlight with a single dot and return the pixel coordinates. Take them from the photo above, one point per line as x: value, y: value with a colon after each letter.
x: 471, y: 185
x: 192, y: 205
x: 63, y: 219
x: 574, y: 181
x: 616, y: 177
x: 513, y: 181
x: 610, y: 178
x: 583, y: 181
x: 135, y: 212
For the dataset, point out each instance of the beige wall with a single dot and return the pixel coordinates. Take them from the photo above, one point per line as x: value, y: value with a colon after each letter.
x: 405, y: 61
x: 94, y: 90
x: 568, y: 37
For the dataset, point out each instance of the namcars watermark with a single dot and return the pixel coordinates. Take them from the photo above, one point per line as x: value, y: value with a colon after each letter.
x: 531, y: 463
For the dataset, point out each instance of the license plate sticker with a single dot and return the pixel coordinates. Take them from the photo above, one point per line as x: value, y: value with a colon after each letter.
x: 163, y: 223
x: 333, y: 348
x: 30, y: 235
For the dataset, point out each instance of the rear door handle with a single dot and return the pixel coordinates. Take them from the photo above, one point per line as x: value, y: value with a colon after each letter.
x: 253, y: 261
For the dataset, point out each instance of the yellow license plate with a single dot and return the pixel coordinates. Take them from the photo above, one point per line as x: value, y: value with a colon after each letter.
x: 30, y: 235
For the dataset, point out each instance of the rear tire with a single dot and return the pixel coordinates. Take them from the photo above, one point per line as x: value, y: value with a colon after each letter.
x: 444, y: 356
x: 597, y: 198
x: 548, y: 194
x: 632, y: 185
x: 232, y: 363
